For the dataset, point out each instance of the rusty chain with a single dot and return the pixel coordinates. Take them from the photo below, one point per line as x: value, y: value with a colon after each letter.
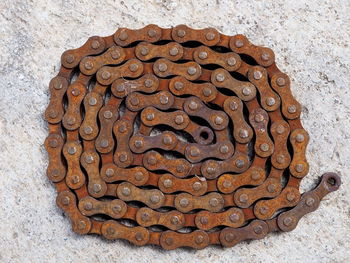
x: 177, y: 137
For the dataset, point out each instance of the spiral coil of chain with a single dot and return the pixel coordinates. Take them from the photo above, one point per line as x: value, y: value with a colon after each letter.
x: 177, y: 137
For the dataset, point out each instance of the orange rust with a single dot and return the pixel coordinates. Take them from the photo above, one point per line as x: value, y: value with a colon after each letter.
x: 172, y: 132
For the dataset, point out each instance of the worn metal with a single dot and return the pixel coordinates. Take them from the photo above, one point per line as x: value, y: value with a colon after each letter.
x: 192, y: 136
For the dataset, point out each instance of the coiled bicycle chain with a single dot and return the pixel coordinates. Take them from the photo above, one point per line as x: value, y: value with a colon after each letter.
x: 177, y: 137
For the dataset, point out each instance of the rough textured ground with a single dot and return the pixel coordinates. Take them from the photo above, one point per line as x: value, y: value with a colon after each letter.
x: 310, y: 39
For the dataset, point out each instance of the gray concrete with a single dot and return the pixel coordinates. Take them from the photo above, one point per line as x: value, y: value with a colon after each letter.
x: 310, y: 39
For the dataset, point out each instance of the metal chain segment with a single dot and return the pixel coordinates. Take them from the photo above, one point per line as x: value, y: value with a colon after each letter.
x: 188, y: 136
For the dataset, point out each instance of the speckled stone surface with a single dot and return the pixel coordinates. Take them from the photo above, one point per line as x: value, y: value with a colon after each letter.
x: 310, y: 39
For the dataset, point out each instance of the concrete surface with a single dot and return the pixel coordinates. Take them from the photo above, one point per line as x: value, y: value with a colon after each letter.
x: 310, y: 39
